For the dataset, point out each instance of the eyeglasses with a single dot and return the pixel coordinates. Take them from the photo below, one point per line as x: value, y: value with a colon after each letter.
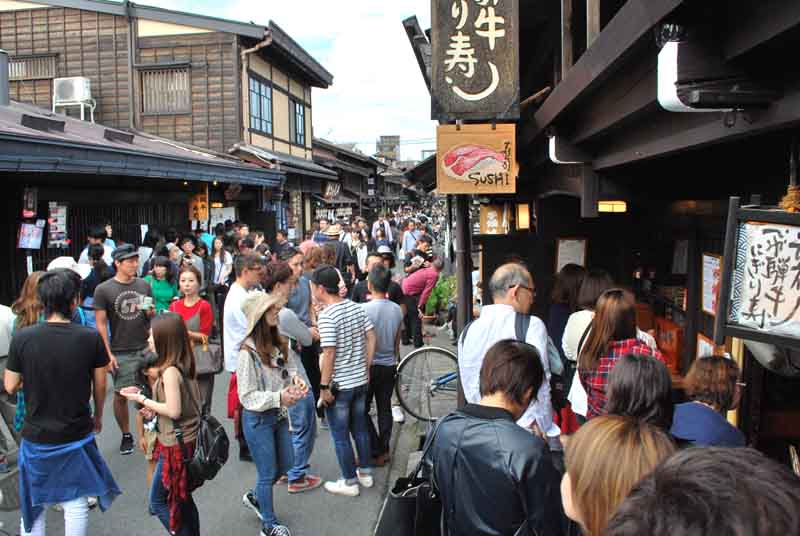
x: 529, y: 289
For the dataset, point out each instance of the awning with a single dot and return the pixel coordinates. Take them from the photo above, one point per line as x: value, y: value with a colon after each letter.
x: 36, y: 140
x: 284, y: 162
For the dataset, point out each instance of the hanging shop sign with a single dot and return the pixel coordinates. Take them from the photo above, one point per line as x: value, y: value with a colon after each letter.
x: 760, y: 283
x: 30, y: 200
x: 475, y: 59
x: 30, y: 235
x: 476, y: 159
x: 332, y: 189
x: 198, y: 207
x: 494, y: 219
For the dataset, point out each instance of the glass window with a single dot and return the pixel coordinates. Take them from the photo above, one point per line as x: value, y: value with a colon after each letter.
x: 299, y: 123
x: 260, y: 106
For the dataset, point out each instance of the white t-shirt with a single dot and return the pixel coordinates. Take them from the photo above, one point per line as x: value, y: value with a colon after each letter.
x: 344, y: 325
x: 6, y: 324
x: 107, y: 251
x: 498, y: 322
x: 234, y: 325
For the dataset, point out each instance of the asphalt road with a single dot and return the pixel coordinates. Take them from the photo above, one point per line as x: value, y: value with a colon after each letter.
x: 314, y: 513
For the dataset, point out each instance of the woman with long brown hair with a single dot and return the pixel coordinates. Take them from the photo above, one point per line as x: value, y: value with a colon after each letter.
x: 268, y: 384
x: 176, y: 401
x: 613, y: 335
x: 27, y: 311
x: 605, y: 459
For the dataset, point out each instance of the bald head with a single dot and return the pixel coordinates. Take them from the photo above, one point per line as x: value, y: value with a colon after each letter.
x: 512, y: 284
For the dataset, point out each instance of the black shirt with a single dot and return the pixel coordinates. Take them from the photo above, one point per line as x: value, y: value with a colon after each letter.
x: 57, y: 363
x: 361, y: 293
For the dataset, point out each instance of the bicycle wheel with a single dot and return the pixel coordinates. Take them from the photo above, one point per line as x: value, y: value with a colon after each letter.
x: 427, y: 383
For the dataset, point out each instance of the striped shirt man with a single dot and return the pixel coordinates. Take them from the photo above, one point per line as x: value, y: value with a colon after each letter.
x: 344, y: 325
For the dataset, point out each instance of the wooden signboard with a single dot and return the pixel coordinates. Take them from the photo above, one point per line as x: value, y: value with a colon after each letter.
x: 669, y: 337
x: 474, y: 59
x: 476, y: 159
x: 198, y: 207
x: 760, y: 287
x: 712, y: 278
x: 570, y: 251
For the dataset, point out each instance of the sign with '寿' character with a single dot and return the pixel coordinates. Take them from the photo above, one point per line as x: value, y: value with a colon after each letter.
x: 476, y: 159
x: 475, y: 59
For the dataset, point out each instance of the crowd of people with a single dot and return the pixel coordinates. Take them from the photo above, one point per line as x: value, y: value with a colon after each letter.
x: 570, y: 427
x: 310, y: 335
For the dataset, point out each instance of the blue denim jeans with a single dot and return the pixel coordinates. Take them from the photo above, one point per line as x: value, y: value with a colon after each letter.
x: 271, y: 447
x: 303, y: 416
x: 190, y: 524
x: 348, y: 415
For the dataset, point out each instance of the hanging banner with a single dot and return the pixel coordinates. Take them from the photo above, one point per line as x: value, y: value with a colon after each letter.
x: 198, y: 207
x: 476, y: 159
x: 57, y: 236
x: 475, y: 59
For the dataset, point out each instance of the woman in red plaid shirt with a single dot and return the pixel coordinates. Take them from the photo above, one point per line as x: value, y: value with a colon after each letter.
x: 613, y: 336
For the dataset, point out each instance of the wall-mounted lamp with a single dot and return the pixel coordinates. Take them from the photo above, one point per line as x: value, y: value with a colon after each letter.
x: 215, y: 183
x: 186, y: 183
x: 615, y: 207
x: 523, y: 217
x: 216, y: 204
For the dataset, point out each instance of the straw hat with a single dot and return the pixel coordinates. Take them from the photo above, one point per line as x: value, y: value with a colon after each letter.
x: 334, y: 230
x: 256, y: 304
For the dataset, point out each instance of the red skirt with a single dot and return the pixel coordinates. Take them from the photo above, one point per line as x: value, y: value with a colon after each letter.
x: 235, y: 407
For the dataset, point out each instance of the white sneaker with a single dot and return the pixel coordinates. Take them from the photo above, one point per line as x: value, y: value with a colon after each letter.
x: 365, y: 479
x: 397, y: 414
x: 341, y: 487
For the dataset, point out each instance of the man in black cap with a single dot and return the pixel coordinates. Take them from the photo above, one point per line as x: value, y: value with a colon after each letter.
x: 125, y: 304
x: 347, y: 338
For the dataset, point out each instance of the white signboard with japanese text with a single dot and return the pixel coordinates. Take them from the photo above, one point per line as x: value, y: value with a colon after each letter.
x: 765, y: 294
x: 712, y: 278
x: 475, y: 59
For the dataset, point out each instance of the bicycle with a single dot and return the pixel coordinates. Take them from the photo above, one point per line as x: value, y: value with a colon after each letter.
x: 427, y: 383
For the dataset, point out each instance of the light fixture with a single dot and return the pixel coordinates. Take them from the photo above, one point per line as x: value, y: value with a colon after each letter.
x: 523, y: 217
x: 216, y: 204
x: 616, y: 207
x: 186, y: 183
x: 215, y: 183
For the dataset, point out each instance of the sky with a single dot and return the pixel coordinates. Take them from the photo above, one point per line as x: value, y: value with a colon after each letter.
x: 377, y: 85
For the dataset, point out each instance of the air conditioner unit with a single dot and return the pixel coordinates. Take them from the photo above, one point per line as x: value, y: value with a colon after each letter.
x: 71, y: 90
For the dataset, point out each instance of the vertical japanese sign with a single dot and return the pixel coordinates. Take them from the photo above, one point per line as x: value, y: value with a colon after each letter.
x: 766, y: 284
x: 475, y: 59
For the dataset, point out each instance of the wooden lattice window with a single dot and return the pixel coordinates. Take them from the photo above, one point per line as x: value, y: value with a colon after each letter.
x: 166, y: 91
x: 38, y: 67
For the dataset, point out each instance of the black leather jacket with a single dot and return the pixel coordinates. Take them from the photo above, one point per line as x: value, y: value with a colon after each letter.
x: 492, y: 475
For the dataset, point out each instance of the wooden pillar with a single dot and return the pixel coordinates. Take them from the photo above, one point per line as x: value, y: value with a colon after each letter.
x: 590, y: 194
x: 463, y: 272
x: 592, y: 21
x: 566, y: 37
x: 693, y: 300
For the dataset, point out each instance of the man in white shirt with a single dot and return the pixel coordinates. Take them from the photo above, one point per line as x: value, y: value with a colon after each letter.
x: 512, y: 290
x: 97, y: 235
x: 382, y: 222
x: 248, y: 269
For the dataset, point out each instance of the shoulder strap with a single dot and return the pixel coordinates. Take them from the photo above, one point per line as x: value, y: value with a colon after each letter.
x: 583, y: 339
x: 427, y: 448
x: 521, y: 324
x: 464, y: 331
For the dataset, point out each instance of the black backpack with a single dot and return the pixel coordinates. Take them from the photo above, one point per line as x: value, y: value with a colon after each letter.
x: 521, y: 324
x: 211, y: 446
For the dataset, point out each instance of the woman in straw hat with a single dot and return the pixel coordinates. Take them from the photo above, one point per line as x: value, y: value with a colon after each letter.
x: 268, y: 383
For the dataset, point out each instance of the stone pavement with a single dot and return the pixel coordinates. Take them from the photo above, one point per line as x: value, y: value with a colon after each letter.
x: 315, y: 513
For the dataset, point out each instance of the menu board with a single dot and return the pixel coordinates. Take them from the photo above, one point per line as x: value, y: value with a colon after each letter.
x: 57, y: 226
x: 712, y: 278
x: 30, y: 235
x: 570, y: 251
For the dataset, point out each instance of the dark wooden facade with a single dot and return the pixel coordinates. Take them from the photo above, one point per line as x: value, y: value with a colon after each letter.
x: 85, y: 43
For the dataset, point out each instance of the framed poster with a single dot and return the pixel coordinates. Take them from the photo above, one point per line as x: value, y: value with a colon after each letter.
x: 57, y: 235
x: 712, y: 278
x: 706, y: 347
x: 570, y: 251
x: 30, y: 235
x: 494, y: 220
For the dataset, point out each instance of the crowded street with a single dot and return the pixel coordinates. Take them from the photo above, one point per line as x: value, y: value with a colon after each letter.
x: 380, y: 268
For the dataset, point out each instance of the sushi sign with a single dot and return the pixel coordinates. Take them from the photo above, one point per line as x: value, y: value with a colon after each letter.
x: 475, y: 59
x: 476, y: 159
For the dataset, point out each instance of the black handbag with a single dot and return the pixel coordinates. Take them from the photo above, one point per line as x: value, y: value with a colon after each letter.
x: 413, y: 506
x: 211, y: 446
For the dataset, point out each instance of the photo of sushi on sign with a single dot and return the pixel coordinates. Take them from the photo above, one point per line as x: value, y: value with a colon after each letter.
x: 476, y: 159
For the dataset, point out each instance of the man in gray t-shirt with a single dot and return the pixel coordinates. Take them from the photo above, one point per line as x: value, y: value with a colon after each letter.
x: 387, y: 319
x: 118, y: 304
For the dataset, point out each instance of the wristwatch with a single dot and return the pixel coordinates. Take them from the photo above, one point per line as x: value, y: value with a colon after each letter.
x: 324, y: 387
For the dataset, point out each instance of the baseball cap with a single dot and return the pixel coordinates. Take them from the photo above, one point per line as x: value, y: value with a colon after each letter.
x: 327, y: 277
x: 69, y: 263
x: 125, y: 251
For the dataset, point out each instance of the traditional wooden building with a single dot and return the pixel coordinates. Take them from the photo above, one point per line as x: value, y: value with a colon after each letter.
x: 220, y: 85
x: 639, y: 119
x: 360, y: 190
